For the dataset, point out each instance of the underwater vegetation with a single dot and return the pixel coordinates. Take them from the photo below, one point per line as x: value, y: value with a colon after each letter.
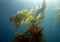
x: 33, y: 33
x: 22, y: 16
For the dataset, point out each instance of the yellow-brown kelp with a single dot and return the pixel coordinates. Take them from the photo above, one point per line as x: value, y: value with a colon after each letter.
x: 17, y: 19
x: 21, y: 16
x: 26, y: 12
x: 33, y: 33
x: 30, y: 18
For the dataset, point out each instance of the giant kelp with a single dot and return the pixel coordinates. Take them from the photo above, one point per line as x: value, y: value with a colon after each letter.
x: 22, y: 16
x: 32, y: 33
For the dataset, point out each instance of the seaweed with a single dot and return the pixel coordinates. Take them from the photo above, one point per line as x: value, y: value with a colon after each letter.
x: 32, y: 33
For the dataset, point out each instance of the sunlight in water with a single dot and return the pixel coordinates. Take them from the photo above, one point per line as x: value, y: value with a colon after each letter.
x: 48, y: 1
x: 51, y: 1
x: 34, y: 1
x: 38, y: 2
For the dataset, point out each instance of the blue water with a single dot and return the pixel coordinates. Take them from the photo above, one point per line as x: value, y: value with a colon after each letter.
x: 10, y: 7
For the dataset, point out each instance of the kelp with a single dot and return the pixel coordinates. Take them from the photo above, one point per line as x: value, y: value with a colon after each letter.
x: 16, y: 19
x: 22, y: 16
x: 32, y: 33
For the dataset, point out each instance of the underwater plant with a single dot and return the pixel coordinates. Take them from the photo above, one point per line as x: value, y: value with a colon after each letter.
x: 22, y: 16
x: 33, y: 33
